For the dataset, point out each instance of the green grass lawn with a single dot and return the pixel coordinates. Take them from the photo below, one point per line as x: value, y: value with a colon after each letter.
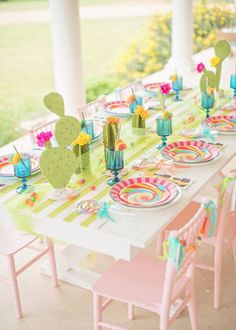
x: 26, y: 64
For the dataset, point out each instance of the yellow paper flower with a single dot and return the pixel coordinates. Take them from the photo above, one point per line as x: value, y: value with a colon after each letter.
x: 82, y: 139
x: 16, y: 158
x: 215, y: 61
x: 173, y: 77
x: 113, y: 120
x: 210, y: 90
x: 141, y: 112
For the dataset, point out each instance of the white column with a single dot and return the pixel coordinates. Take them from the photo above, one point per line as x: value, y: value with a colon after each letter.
x: 182, y: 36
x: 66, y: 44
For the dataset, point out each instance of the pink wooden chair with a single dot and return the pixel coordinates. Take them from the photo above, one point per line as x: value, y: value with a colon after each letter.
x: 224, y: 235
x: 12, y: 242
x: 152, y: 284
x: 90, y: 109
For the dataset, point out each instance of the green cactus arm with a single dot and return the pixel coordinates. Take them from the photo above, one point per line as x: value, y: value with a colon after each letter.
x: 211, y: 80
x: 55, y: 103
x: 222, y: 49
x: 67, y: 130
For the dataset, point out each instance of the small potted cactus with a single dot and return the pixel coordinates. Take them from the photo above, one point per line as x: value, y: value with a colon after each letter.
x: 139, y: 120
x: 81, y: 150
x: 58, y: 164
x: 110, y: 132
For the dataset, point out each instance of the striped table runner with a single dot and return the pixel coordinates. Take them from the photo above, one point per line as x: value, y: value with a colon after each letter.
x: 138, y: 145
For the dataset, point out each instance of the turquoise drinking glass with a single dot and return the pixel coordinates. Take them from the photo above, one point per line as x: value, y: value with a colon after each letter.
x: 163, y: 129
x: 208, y: 101
x: 233, y: 83
x: 139, y: 100
x: 23, y: 170
x: 132, y: 107
x: 114, y: 163
x: 89, y: 128
x: 177, y: 86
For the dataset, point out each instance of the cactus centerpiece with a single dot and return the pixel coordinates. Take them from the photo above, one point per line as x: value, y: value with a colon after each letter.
x: 139, y: 117
x: 222, y: 50
x: 58, y: 164
x: 110, y: 132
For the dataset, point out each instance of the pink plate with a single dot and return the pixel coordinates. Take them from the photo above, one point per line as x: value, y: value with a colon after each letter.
x: 8, y: 170
x: 191, y: 152
x: 221, y: 123
x: 144, y: 192
x: 118, y: 108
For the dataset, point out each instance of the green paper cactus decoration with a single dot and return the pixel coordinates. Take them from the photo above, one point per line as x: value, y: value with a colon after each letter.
x: 222, y: 50
x: 58, y: 164
x: 208, y: 79
x: 110, y: 132
x: 138, y: 121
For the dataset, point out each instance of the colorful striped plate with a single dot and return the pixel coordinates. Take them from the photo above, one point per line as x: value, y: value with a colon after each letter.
x: 191, y: 152
x: 145, y: 192
x: 222, y: 124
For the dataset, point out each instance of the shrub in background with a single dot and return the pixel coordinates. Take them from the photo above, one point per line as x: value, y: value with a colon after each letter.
x: 151, y: 54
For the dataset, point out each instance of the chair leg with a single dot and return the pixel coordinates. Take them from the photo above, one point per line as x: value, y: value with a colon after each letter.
x: 52, y: 261
x: 14, y: 284
x: 130, y: 311
x: 192, y: 306
x: 97, y: 311
x: 217, y: 280
x: 234, y: 252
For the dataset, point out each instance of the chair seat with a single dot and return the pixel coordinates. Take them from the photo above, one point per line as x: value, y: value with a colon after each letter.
x: 13, y: 240
x: 139, y: 281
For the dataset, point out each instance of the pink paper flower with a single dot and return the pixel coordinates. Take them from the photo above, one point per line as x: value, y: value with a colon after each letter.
x: 43, y: 137
x: 165, y: 88
x: 200, y: 67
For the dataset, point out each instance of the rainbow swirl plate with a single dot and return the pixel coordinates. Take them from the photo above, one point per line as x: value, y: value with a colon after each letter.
x: 145, y: 192
x: 223, y: 124
x: 191, y: 152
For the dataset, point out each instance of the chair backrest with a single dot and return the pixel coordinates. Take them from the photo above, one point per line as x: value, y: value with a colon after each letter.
x: 91, y: 108
x: 178, y: 273
x: 226, y: 219
x: 129, y: 89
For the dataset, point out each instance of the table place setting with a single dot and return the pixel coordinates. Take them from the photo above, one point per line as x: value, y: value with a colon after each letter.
x: 125, y: 159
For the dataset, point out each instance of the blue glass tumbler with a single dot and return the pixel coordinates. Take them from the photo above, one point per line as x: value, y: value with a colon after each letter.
x: 23, y: 170
x: 177, y: 86
x: 163, y: 129
x: 233, y: 83
x: 132, y: 107
x: 114, y: 163
x: 208, y: 101
x: 89, y: 128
